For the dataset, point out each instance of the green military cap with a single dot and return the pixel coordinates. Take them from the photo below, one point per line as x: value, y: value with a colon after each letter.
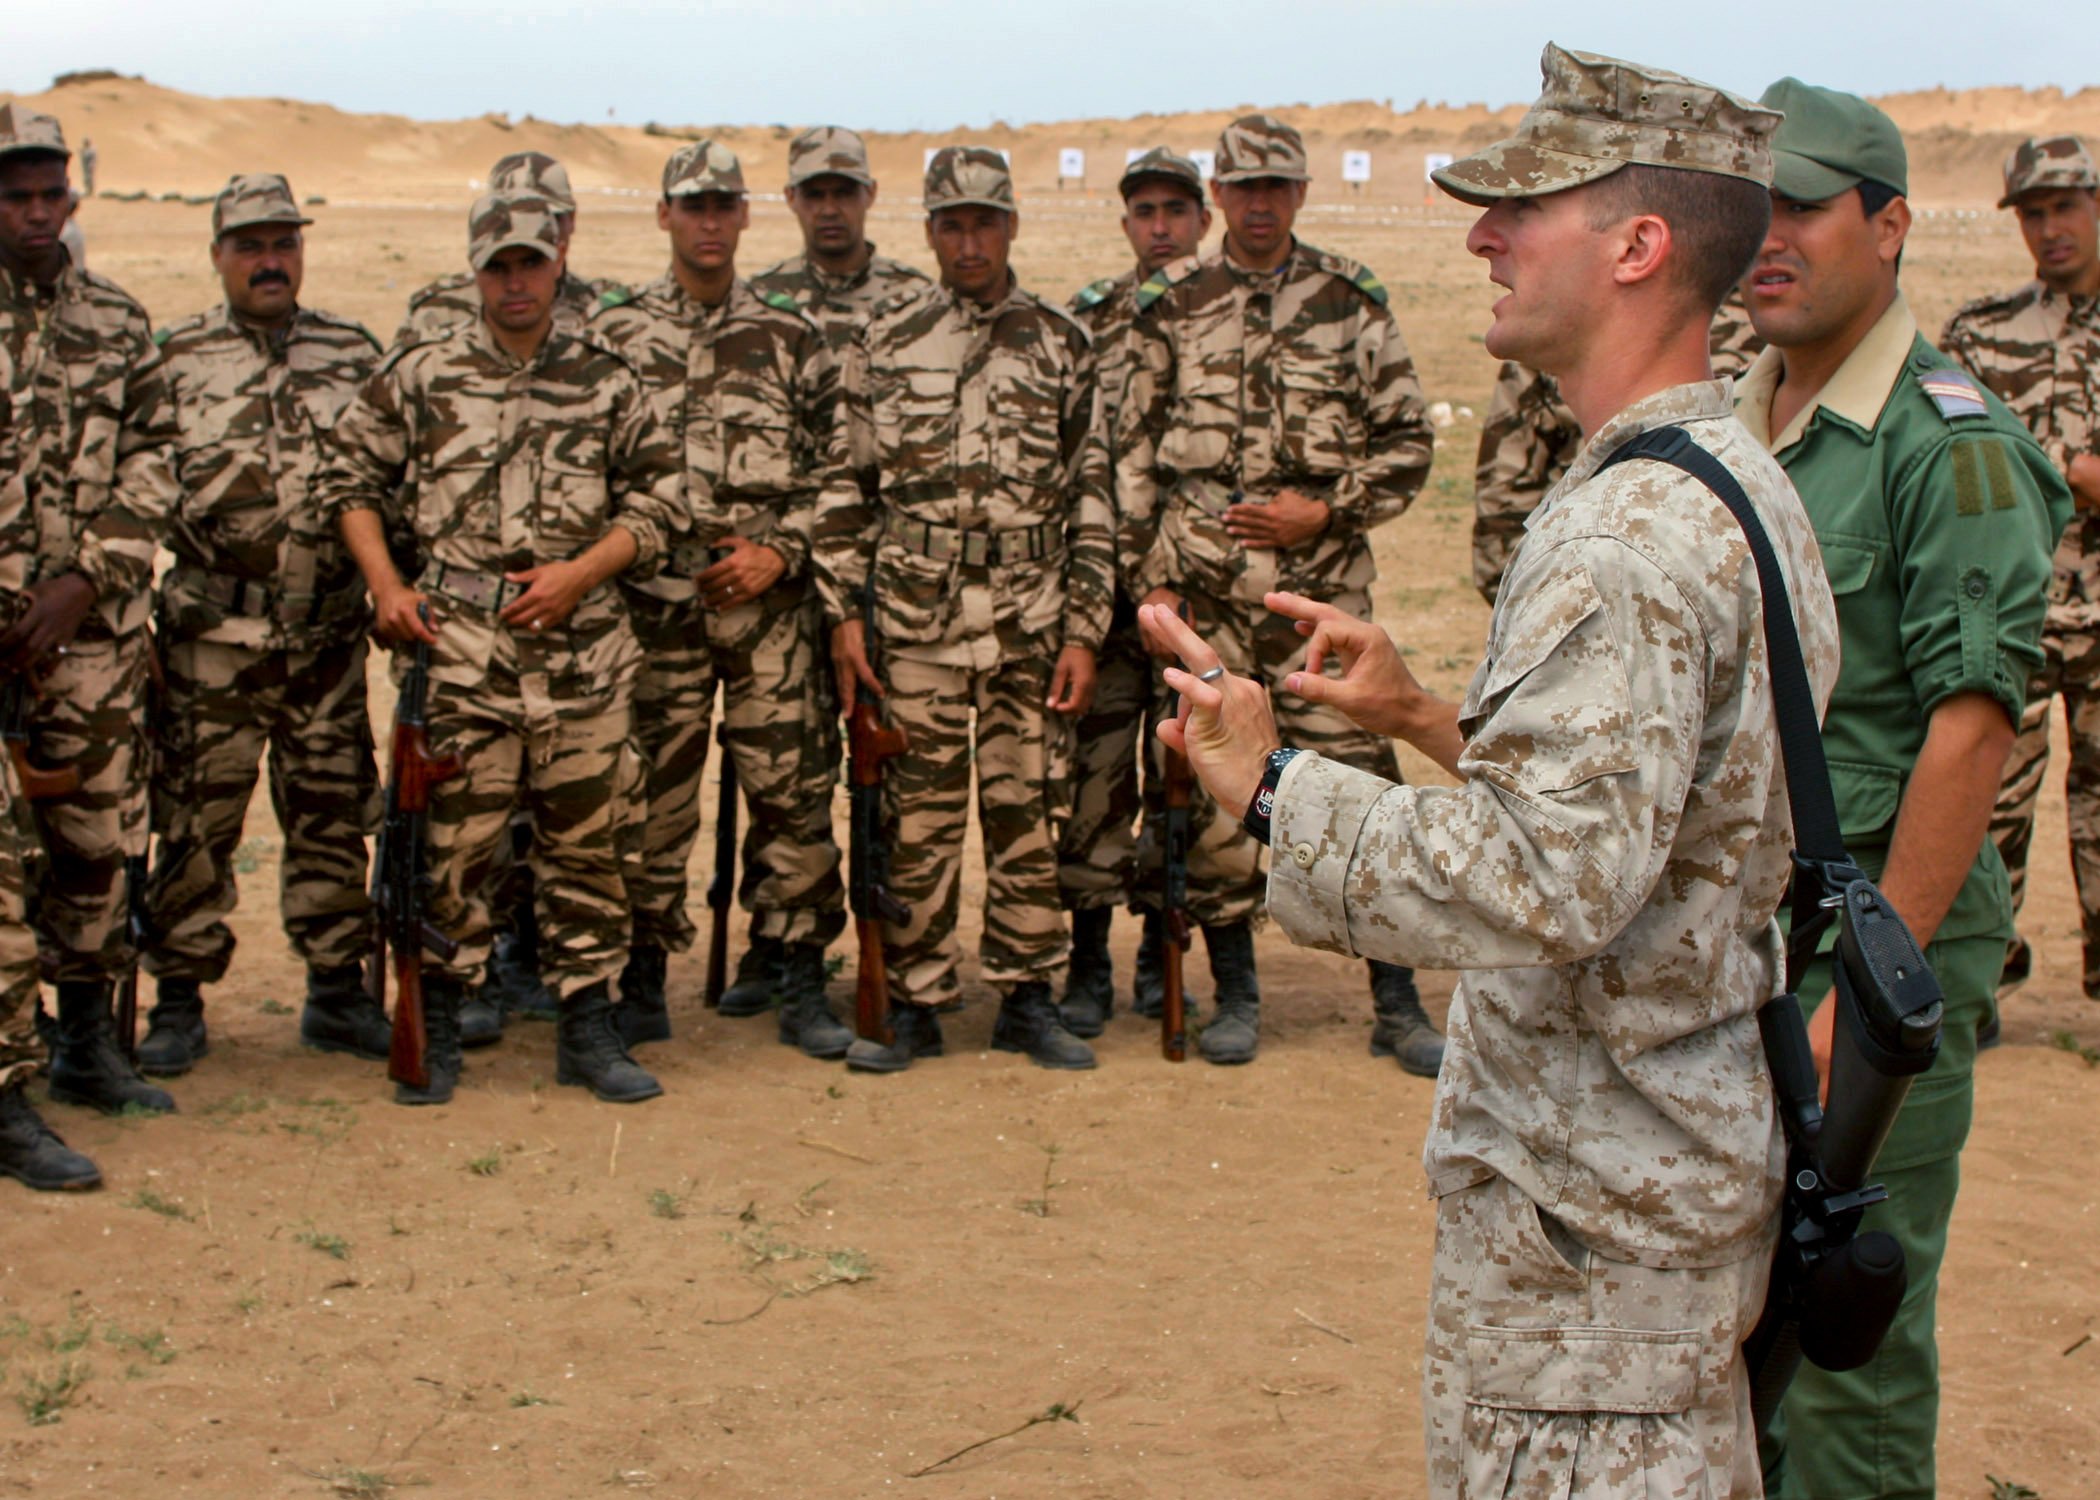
x: 26, y: 130
x: 1161, y: 162
x: 254, y: 198
x: 1261, y: 146
x: 703, y: 167
x: 962, y: 175
x: 1597, y: 114
x: 1831, y: 141
x: 498, y: 223
x: 2054, y: 161
x: 828, y: 151
x: 533, y: 174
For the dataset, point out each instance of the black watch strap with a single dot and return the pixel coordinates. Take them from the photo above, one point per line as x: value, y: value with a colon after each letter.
x: 1263, y: 807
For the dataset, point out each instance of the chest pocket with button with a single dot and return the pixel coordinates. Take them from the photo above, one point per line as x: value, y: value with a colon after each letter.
x: 914, y: 412
x: 757, y: 436
x: 1025, y: 398
x: 1321, y: 430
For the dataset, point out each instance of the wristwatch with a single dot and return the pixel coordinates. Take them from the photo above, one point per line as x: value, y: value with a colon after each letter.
x: 1263, y: 807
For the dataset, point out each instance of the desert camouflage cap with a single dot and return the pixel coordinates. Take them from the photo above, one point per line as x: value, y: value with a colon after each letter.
x: 1161, y: 162
x: 1596, y: 114
x: 26, y: 130
x: 2047, y: 161
x: 254, y: 198
x: 533, y: 174
x: 703, y: 167
x: 828, y: 151
x: 1261, y: 146
x: 1831, y: 141
x: 499, y: 223
x: 962, y: 175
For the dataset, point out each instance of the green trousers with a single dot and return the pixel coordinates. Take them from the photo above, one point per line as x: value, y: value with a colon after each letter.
x: 1868, y: 1434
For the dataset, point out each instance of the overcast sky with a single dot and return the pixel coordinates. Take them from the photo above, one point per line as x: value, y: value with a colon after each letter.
x: 938, y: 63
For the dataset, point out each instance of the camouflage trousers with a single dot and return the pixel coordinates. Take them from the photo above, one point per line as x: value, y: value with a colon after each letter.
x: 1226, y: 884
x: 221, y: 707
x: 1551, y: 1373
x: 1021, y: 752
x: 780, y: 721
x: 90, y: 716
x: 579, y: 780
x: 2070, y: 669
x: 21, y: 1054
x: 1098, y: 853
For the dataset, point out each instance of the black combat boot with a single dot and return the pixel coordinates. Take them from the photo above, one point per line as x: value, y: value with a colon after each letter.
x: 1403, y: 1032
x: 31, y: 1151
x: 1233, y: 1034
x: 175, y: 1037
x: 588, y: 1051
x: 757, y: 977
x: 482, y: 1009
x: 1148, y: 988
x: 643, y: 1015
x: 806, y: 1017
x: 340, y: 1015
x: 514, y: 974
x: 1029, y: 1023
x: 87, y: 1065
x: 915, y: 1031
x: 442, y: 997
x: 1090, y: 986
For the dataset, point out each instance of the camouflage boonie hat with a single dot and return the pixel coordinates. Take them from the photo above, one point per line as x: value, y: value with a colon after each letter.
x: 26, y: 130
x: 1830, y: 141
x: 1261, y: 146
x: 703, y: 167
x: 1596, y: 114
x: 2053, y: 161
x: 1161, y: 162
x: 828, y: 151
x: 962, y: 175
x: 498, y: 223
x: 533, y: 174
x: 254, y: 198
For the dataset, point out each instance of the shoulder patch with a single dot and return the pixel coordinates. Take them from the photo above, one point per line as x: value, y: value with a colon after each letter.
x: 780, y: 300
x: 1094, y: 294
x: 1954, y: 391
x: 1369, y: 285
x: 1354, y: 272
x: 160, y: 337
x: 1165, y: 279
x: 614, y: 296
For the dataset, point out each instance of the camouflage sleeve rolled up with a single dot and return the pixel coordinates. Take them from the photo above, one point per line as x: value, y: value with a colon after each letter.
x: 647, y: 482
x: 1526, y: 442
x: 847, y: 520
x: 1398, y: 441
x: 1090, y: 556
x: 368, y: 454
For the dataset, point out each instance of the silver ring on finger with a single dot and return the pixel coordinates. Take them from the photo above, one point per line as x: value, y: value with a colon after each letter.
x: 1212, y: 675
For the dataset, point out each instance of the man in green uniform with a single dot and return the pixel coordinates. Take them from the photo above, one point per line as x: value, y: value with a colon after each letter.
x: 1936, y: 513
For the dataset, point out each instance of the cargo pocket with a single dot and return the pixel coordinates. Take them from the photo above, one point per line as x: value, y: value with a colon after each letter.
x: 1027, y: 442
x: 911, y: 594
x: 1201, y: 424
x: 757, y: 439
x: 1319, y: 431
x: 912, y: 411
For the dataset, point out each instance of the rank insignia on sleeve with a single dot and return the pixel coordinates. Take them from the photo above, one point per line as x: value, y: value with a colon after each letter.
x: 1954, y: 392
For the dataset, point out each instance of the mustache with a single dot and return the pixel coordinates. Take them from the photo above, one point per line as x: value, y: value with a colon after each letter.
x: 266, y: 278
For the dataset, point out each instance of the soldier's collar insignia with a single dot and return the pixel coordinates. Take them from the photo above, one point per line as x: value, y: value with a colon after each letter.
x: 1094, y: 294
x: 780, y: 300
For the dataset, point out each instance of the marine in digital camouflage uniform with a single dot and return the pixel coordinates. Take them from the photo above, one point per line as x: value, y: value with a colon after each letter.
x: 2038, y: 350
x: 976, y: 515
x: 838, y: 278
x: 747, y: 385
x: 92, y: 431
x: 1529, y: 437
x: 530, y: 468
x: 262, y: 622
x: 1165, y: 219
x: 1271, y: 418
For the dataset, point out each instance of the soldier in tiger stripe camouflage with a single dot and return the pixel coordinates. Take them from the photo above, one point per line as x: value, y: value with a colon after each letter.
x: 1271, y: 418
x: 747, y: 383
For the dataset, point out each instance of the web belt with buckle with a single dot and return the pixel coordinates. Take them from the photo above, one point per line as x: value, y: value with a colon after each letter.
x: 471, y: 586
x: 976, y: 547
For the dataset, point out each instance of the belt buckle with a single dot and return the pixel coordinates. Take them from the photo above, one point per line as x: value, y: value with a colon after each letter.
x: 977, y: 548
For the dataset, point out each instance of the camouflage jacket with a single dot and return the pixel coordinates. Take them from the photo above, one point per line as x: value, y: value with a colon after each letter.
x: 1607, y: 870
x: 256, y: 562
x: 750, y: 389
x: 839, y: 304
x: 452, y: 300
x: 1108, y: 307
x: 1240, y: 384
x: 970, y: 428
x: 93, y: 434
x: 2039, y: 353
x: 1529, y: 437
x: 494, y: 467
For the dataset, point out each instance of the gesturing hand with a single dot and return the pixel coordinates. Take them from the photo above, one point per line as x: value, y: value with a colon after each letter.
x: 1375, y: 689
x: 1225, y: 726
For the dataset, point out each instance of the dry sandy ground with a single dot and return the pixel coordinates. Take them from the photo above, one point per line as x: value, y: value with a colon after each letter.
x: 785, y: 1279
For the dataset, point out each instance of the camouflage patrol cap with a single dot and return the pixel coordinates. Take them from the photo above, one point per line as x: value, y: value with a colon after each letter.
x: 2051, y: 161
x: 962, y: 175
x: 703, y: 167
x: 26, y: 130
x: 254, y: 198
x: 533, y: 174
x: 1163, y: 163
x: 828, y: 151
x: 1831, y: 141
x: 1261, y: 146
x: 1597, y: 114
x: 498, y: 223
